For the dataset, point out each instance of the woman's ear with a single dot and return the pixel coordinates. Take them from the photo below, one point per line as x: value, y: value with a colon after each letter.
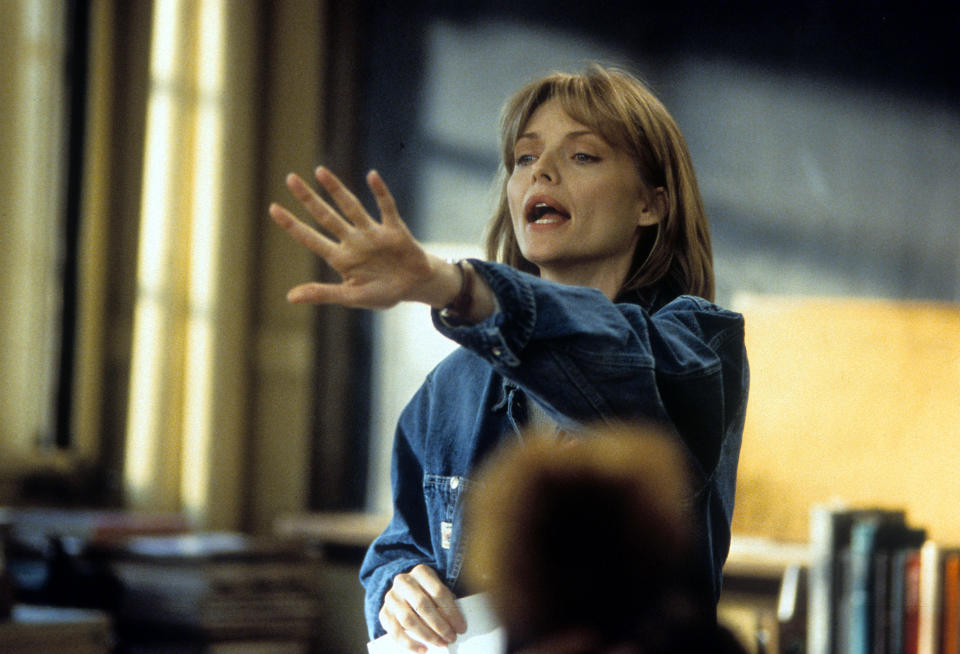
x: 654, y: 208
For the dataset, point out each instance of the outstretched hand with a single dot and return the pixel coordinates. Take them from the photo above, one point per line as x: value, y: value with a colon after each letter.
x: 380, y: 263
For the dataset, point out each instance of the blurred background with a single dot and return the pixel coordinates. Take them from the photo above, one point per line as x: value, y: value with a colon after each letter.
x: 148, y: 358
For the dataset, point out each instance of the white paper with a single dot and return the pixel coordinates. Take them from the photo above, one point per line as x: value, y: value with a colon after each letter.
x: 483, y: 634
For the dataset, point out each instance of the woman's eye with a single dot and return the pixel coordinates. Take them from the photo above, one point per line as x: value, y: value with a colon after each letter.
x: 524, y: 160
x: 583, y: 157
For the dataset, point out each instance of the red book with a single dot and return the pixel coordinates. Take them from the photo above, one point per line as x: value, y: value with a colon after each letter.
x: 911, y: 603
x: 951, y: 603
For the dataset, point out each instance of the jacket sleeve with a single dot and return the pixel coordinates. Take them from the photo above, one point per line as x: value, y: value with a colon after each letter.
x: 405, y: 543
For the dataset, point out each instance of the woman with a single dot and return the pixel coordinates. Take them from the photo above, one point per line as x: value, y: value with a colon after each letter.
x: 600, y: 311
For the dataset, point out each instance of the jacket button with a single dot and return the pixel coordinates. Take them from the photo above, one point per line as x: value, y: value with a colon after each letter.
x: 496, y: 351
x: 454, y: 482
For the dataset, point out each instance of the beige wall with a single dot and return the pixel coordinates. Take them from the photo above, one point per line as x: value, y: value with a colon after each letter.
x: 853, y: 400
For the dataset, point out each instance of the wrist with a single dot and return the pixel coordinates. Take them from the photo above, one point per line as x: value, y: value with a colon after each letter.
x: 442, y: 285
x: 458, y: 308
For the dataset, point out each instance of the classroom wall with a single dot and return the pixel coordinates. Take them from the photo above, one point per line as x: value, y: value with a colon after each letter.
x: 852, y: 400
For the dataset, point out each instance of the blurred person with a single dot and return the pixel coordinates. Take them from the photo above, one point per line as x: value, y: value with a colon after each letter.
x: 595, y: 306
x: 584, y: 547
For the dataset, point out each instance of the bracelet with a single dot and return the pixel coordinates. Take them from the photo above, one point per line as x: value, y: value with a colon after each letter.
x: 459, y: 307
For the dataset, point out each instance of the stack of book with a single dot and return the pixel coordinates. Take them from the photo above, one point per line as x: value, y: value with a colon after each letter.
x: 218, y: 586
x: 879, y: 585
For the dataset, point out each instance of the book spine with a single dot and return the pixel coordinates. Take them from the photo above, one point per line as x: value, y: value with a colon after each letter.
x: 911, y: 602
x: 882, y: 565
x: 819, y: 619
x: 931, y: 607
x: 951, y: 603
x: 859, y: 587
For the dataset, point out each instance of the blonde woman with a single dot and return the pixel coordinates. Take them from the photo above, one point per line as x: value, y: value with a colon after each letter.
x: 595, y: 305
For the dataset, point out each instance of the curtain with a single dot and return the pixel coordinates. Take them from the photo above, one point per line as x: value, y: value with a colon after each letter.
x: 184, y: 440
x: 194, y: 377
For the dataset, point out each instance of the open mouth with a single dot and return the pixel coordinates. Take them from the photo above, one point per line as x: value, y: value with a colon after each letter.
x: 545, y: 213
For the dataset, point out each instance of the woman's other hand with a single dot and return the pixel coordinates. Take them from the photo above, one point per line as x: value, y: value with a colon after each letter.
x: 420, y: 609
x: 380, y: 263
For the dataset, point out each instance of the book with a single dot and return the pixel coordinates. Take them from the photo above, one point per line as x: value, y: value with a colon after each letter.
x: 830, y: 530
x: 910, y: 616
x: 859, y: 586
x: 872, y: 538
x: 880, y: 569
x: 888, y: 594
x: 930, y: 599
x: 894, y: 609
x: 950, y: 625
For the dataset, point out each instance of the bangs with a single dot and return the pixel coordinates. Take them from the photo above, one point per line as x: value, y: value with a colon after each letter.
x: 591, y: 99
x: 591, y: 107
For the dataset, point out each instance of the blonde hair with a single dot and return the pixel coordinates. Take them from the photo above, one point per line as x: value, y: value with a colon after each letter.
x: 623, y: 111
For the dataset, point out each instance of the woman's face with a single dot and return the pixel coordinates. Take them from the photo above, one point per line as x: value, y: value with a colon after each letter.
x: 575, y: 201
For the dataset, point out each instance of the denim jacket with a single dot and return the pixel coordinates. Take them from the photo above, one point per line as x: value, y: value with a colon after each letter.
x: 584, y: 359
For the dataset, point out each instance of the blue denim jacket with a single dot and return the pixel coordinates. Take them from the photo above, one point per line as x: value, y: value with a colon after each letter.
x: 584, y: 359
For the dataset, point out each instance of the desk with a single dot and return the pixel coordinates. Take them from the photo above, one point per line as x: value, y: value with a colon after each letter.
x: 347, y: 529
x: 33, y: 629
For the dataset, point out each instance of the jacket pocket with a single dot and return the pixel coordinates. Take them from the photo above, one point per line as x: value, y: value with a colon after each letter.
x: 444, y: 496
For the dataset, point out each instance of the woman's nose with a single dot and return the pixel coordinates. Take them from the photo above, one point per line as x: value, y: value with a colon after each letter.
x: 545, y: 168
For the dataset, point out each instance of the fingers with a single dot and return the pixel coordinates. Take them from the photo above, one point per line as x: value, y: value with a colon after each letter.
x: 419, y: 608
x: 303, y: 234
x: 348, y: 203
x: 322, y: 212
x: 417, y: 612
x: 412, y: 637
x: 444, y: 599
x: 385, y: 202
x: 353, y: 212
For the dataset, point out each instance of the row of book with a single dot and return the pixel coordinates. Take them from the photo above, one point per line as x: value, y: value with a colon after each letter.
x: 879, y: 585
